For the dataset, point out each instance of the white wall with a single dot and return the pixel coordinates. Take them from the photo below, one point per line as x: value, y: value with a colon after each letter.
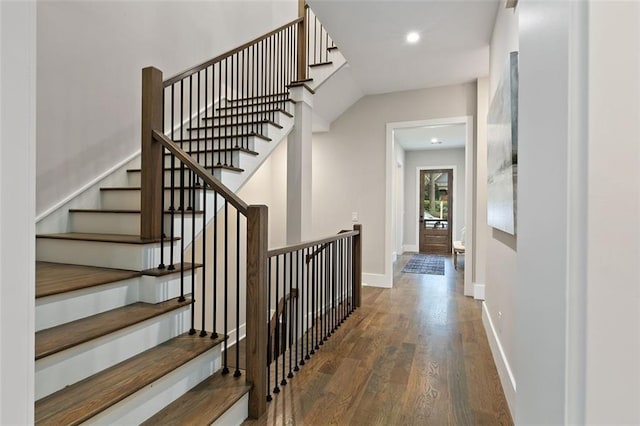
x: 500, y: 248
x: 90, y: 57
x: 17, y: 207
x: 349, y: 161
x: 613, y: 278
x: 268, y: 186
x: 550, y: 147
x: 416, y: 160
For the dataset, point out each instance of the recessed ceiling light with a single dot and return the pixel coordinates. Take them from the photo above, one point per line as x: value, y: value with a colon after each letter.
x: 413, y: 37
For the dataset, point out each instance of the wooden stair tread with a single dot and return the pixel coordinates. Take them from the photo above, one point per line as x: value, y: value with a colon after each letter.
x: 177, y: 168
x: 272, y: 95
x: 57, y: 278
x: 217, y: 138
x: 247, y: 123
x: 156, y: 272
x: 266, y: 111
x: 320, y: 64
x: 83, y: 400
x: 117, y: 211
x: 216, y: 150
x: 276, y: 101
x: 106, y: 238
x: 65, y: 336
x: 203, y: 404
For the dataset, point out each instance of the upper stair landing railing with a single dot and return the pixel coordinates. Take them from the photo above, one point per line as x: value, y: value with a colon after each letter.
x: 212, y: 110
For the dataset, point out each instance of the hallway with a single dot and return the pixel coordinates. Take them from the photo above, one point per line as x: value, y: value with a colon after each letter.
x: 416, y: 354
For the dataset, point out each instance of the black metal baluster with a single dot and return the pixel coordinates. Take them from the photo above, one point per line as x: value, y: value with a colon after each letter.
x: 162, y: 218
x: 214, y: 330
x: 219, y: 136
x: 237, y: 372
x: 282, y: 328
x: 338, y: 274
x: 290, y: 317
x: 172, y: 193
x: 305, y: 307
x: 314, y: 279
x: 276, y: 327
x: 225, y: 370
x: 339, y: 271
x: 297, y: 306
x: 269, y: 336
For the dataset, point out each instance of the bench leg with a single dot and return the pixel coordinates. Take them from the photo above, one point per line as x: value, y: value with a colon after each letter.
x: 455, y: 260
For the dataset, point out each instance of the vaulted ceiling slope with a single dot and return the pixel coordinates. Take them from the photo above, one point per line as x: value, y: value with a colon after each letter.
x: 453, y: 48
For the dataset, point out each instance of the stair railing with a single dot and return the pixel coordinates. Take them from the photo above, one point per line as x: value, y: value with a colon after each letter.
x: 319, y: 281
x: 316, y: 286
x: 192, y: 124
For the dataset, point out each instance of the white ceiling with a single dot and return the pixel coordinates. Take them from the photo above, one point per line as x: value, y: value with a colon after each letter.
x: 419, y: 138
x: 454, y: 45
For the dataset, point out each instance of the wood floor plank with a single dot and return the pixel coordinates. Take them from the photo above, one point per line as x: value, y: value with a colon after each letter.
x: 59, y: 338
x: 203, y: 404
x: 56, y: 278
x: 83, y: 400
x: 416, y: 354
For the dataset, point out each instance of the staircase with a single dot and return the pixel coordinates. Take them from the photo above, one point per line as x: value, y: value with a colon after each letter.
x: 116, y: 340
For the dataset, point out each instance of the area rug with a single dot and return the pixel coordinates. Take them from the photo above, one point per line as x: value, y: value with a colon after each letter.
x: 425, y: 264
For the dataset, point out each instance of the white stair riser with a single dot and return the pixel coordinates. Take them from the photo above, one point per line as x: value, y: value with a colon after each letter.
x: 236, y: 414
x: 125, y: 223
x: 66, y: 307
x: 74, y: 364
x: 264, y: 129
x: 146, y: 402
x: 209, y: 158
x: 231, y: 109
x: 239, y: 102
x: 159, y: 289
x: 133, y: 257
x: 231, y: 131
x: 233, y: 159
x: 129, y: 199
x: 226, y: 118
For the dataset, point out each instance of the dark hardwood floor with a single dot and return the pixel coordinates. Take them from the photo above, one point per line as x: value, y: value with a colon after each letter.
x: 416, y: 354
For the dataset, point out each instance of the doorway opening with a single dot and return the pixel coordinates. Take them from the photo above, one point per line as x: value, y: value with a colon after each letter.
x: 435, y: 206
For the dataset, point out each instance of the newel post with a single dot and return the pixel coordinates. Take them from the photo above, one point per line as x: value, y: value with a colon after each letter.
x: 357, y: 266
x: 257, y: 309
x: 302, y: 41
x: 152, y: 153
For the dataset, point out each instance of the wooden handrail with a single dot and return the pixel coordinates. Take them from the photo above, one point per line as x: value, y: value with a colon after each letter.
x: 322, y: 248
x: 200, y: 67
x: 307, y: 244
x: 202, y: 173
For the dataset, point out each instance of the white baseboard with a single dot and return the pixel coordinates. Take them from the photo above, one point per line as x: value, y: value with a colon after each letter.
x: 376, y: 280
x: 478, y: 291
x: 502, y: 364
x: 413, y: 248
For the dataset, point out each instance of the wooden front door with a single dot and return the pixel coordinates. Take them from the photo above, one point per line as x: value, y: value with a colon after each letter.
x: 435, y: 209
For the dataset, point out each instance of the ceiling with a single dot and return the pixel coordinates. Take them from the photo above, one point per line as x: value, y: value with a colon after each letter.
x: 453, y: 49
x: 419, y: 138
